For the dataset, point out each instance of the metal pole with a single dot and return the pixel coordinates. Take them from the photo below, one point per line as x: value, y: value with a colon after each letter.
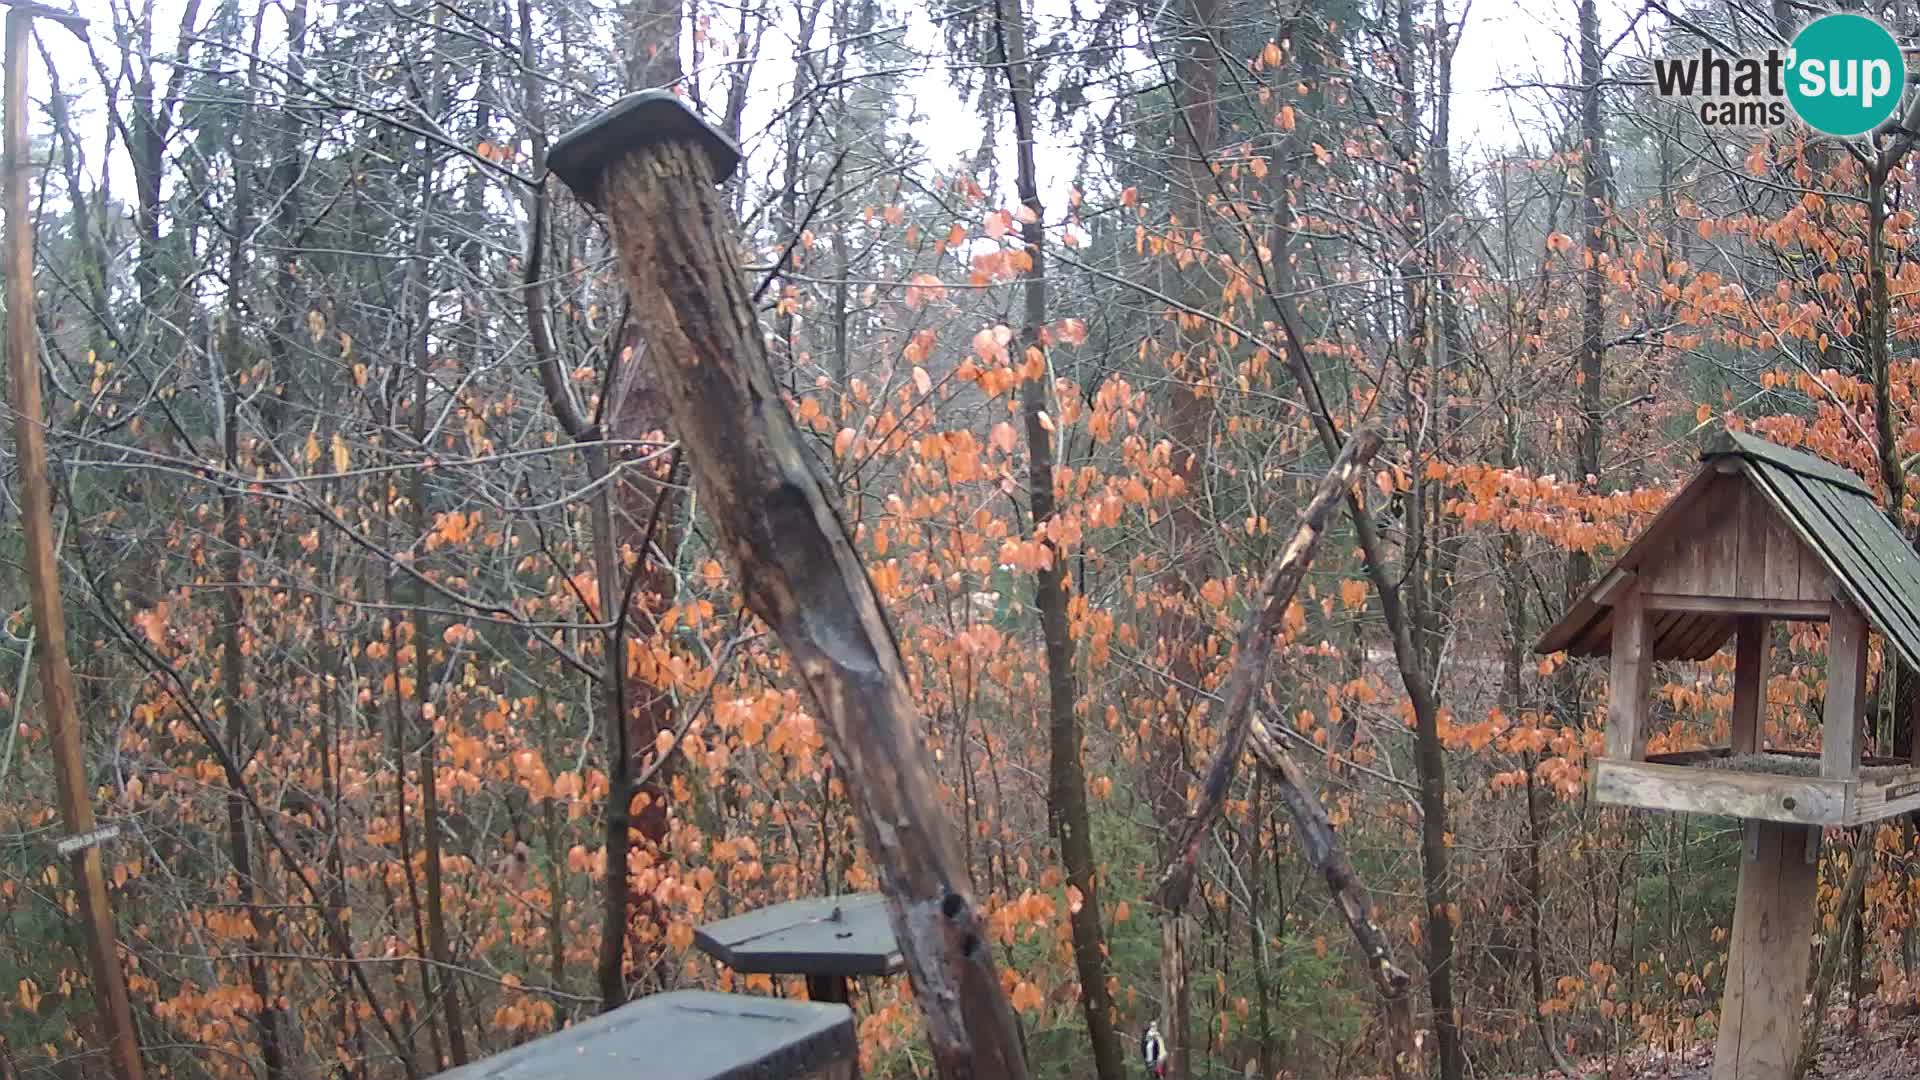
x: 43, y: 573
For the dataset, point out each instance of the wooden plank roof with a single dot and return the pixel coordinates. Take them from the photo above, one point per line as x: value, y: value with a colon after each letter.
x: 1829, y: 509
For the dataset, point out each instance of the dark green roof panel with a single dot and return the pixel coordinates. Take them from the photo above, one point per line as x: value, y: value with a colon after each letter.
x: 1754, y: 448
x: 1836, y: 516
x: 822, y: 935
x: 684, y: 1035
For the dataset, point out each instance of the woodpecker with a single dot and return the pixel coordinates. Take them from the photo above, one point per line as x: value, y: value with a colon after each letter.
x: 1153, y: 1052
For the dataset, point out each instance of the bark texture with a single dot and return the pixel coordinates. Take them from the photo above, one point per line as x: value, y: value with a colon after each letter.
x: 798, y: 571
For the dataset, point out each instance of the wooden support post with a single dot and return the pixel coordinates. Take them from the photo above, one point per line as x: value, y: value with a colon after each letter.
x: 1767, y: 961
x: 1913, y: 716
x: 653, y: 166
x: 833, y: 989
x: 57, y: 699
x: 1749, y: 684
x: 1846, y: 693
x: 1631, y: 681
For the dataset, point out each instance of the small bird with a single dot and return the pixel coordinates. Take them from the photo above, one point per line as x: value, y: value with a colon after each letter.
x: 1153, y: 1052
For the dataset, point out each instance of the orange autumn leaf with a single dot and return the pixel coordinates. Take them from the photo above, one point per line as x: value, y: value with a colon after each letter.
x: 923, y: 287
x: 153, y: 623
x: 1027, y: 997
x: 1353, y: 594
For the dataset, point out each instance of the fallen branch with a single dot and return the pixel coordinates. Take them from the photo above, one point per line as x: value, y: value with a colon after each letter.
x: 1245, y: 731
x: 1324, y: 853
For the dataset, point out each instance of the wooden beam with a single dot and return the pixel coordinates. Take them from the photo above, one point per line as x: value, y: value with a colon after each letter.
x: 1749, y: 684
x: 1799, y: 610
x: 831, y: 989
x: 1631, y: 680
x: 1608, y: 591
x: 1695, y: 789
x: 1689, y: 757
x: 1888, y: 796
x: 1767, y: 959
x: 1913, y: 719
x: 1846, y: 693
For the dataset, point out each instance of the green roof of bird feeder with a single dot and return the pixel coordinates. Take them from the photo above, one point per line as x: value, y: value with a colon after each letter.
x: 686, y: 1035
x: 826, y: 935
x: 580, y: 156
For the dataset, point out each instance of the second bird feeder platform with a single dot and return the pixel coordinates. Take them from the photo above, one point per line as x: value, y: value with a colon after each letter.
x: 829, y: 939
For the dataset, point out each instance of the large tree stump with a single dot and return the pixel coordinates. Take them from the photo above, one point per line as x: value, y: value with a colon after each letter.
x: 652, y: 166
x: 1767, y: 960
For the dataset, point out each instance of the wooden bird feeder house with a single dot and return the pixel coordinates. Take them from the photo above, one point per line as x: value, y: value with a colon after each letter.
x: 1761, y: 534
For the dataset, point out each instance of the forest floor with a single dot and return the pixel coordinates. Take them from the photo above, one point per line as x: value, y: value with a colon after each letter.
x: 1879, y: 1050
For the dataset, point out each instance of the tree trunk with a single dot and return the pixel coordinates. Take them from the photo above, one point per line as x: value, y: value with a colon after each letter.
x: 797, y: 568
x: 653, y: 53
x: 1594, y: 182
x: 267, y: 1017
x: 444, y: 992
x: 1189, y: 424
x: 1067, y: 780
x: 629, y: 512
x: 58, y: 700
x: 1849, y: 929
x: 332, y: 735
x: 1257, y: 817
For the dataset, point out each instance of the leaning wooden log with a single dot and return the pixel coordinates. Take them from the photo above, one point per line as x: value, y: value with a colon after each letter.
x: 1321, y: 844
x: 1323, y: 852
x: 651, y: 165
x: 1250, y: 663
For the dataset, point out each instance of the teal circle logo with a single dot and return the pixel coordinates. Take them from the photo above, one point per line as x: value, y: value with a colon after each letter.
x: 1845, y: 75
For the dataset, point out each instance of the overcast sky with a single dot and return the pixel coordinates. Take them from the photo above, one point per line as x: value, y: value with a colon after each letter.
x: 1507, y: 43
